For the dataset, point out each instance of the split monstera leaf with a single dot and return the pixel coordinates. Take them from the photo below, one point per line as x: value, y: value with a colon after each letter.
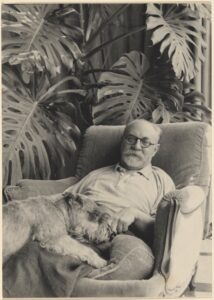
x: 32, y: 37
x: 132, y: 91
x: 38, y: 133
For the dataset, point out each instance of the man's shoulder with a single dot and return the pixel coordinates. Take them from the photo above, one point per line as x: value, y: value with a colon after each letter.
x: 164, y: 179
x: 103, y: 169
x: 160, y: 172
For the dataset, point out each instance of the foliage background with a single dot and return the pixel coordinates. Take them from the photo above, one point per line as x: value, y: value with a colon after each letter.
x: 67, y: 66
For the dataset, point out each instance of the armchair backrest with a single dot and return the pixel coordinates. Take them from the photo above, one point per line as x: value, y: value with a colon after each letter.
x: 185, y: 151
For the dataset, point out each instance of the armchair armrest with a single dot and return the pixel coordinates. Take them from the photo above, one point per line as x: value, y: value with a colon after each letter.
x: 31, y: 188
x: 189, y: 198
x: 178, y: 236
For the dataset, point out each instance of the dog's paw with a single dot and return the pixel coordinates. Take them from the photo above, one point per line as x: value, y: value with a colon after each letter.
x: 95, y: 260
x: 98, y: 263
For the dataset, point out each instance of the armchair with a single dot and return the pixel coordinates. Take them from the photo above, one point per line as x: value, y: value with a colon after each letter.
x: 185, y: 155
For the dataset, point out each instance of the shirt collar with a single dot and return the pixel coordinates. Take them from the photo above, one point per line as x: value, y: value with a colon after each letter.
x: 146, y: 171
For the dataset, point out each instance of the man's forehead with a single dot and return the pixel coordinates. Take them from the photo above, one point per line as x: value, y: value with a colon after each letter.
x: 141, y: 129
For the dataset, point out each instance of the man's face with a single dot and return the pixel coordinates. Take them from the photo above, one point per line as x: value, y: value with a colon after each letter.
x: 134, y: 156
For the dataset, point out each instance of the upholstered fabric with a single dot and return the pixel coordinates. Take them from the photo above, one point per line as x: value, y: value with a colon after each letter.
x: 184, y: 153
x: 189, y: 198
x: 30, y: 188
x: 34, y: 272
x: 174, y: 232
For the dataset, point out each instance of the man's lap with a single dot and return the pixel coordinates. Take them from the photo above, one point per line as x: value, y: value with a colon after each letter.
x: 34, y: 272
x: 130, y: 258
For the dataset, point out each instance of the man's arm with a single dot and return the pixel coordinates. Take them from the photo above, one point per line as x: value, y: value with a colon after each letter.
x: 144, y: 229
x: 141, y: 224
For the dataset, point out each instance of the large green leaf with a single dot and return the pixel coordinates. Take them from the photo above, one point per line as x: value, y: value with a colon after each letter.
x: 203, y: 9
x: 177, y: 29
x: 38, y: 133
x: 194, y: 109
x: 131, y: 91
x: 31, y: 33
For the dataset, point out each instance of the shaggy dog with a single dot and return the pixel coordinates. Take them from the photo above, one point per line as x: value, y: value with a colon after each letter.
x: 52, y: 221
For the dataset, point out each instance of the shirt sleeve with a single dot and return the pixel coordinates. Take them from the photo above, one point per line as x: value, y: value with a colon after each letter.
x: 79, y: 187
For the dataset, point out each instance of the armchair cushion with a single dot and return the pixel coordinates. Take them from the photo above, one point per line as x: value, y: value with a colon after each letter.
x: 189, y: 198
x: 30, y: 188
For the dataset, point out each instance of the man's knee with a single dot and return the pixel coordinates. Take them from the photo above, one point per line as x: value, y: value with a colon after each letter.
x: 134, y: 257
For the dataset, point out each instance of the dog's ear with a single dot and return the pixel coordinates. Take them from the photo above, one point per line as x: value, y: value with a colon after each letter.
x: 81, y: 201
x: 75, y: 200
x: 69, y: 198
x: 85, y: 203
x: 78, y: 199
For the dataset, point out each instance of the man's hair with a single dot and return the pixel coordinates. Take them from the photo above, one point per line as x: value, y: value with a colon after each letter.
x: 157, y: 129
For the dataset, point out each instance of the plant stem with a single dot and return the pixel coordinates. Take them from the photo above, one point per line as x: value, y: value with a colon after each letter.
x: 104, y: 70
x: 90, y: 71
x: 34, y: 84
x: 105, y: 23
x: 100, y: 47
x: 35, y: 34
x: 82, y: 23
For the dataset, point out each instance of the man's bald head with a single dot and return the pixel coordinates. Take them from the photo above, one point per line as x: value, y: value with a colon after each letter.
x: 141, y: 124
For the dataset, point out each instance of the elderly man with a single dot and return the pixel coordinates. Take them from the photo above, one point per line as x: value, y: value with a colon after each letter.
x: 131, y: 189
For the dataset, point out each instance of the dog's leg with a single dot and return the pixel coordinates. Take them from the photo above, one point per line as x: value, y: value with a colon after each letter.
x: 66, y: 245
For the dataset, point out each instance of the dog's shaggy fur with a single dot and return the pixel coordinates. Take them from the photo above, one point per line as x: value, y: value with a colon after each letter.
x: 52, y: 221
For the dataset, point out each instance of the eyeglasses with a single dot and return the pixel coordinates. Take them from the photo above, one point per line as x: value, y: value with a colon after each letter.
x: 144, y: 142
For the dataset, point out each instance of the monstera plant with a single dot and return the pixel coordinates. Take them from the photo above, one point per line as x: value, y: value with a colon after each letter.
x: 40, y: 131
x: 33, y: 36
x: 43, y: 86
x: 159, y: 94
x: 132, y: 90
x: 176, y: 30
x: 49, y: 82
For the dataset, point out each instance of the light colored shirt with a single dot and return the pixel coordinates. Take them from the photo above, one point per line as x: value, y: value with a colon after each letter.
x: 116, y: 188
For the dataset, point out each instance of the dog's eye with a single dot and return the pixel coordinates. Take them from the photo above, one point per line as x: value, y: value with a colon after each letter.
x: 111, y: 233
x: 94, y: 215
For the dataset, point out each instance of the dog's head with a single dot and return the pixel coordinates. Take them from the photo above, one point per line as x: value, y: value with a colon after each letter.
x: 89, y: 222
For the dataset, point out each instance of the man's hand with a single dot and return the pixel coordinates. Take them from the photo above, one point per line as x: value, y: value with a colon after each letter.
x: 125, y: 218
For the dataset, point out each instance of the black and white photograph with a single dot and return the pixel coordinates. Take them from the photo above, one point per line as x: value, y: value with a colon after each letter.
x: 106, y: 149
